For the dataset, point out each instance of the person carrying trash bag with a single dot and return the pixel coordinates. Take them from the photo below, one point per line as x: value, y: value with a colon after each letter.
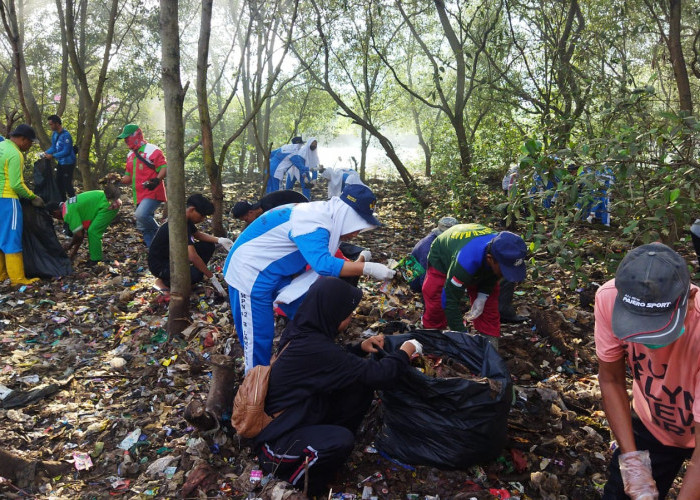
x: 12, y: 188
x: 462, y: 420
x: 471, y: 258
x: 647, y: 324
x: 320, y: 390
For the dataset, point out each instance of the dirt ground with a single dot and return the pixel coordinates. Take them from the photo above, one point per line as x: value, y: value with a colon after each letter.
x: 71, y: 336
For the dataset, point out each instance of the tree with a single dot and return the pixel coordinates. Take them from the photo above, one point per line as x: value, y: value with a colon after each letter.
x: 263, y: 84
x: 320, y: 58
x: 672, y: 39
x: 174, y: 96
x: 13, y: 22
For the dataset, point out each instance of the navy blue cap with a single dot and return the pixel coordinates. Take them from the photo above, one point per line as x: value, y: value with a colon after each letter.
x: 362, y: 200
x: 510, y: 252
x: 24, y: 130
x: 297, y: 140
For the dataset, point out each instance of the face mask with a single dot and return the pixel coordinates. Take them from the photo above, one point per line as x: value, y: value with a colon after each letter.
x: 659, y: 346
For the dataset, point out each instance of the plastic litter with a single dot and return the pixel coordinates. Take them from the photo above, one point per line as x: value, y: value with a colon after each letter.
x: 131, y: 439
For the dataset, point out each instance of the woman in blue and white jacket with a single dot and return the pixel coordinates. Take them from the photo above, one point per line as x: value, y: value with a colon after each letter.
x: 277, y: 247
x: 300, y: 166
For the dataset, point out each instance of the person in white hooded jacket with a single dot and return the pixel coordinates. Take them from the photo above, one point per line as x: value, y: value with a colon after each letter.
x: 266, y: 265
x: 300, y: 167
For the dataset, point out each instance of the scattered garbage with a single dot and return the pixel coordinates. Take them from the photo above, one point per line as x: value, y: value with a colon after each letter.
x: 64, y: 393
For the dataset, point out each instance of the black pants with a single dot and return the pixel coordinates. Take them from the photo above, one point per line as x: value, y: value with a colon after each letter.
x: 326, y: 446
x: 666, y: 461
x: 64, y: 179
x: 204, y: 249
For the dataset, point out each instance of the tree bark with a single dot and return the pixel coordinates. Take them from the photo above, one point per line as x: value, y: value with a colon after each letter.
x: 90, y: 92
x: 675, y: 49
x: 213, y: 170
x: 174, y: 95
x: 13, y: 28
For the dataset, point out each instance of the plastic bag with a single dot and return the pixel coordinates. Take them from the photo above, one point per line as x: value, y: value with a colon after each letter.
x: 448, y: 423
x: 44, y: 181
x: 43, y: 255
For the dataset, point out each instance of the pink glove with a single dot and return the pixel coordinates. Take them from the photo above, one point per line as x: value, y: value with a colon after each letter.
x: 635, y: 468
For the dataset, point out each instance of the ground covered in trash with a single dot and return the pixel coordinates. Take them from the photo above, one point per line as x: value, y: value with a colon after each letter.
x: 99, y: 389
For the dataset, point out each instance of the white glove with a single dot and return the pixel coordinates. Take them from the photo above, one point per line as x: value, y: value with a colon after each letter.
x: 416, y: 344
x: 477, y: 306
x: 635, y: 468
x: 217, y: 286
x: 366, y: 254
x: 225, y: 242
x: 378, y: 271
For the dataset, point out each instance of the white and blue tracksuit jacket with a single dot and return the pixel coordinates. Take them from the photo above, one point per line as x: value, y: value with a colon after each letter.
x: 265, y: 258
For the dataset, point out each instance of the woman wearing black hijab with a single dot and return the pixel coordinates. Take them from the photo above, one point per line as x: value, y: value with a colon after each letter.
x: 322, y: 389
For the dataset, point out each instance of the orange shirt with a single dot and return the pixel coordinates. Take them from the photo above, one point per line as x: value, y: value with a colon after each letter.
x: 665, y: 381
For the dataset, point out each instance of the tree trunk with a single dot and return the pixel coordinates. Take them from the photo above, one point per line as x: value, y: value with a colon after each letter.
x: 364, y: 143
x: 12, y: 23
x: 180, y: 286
x: 680, y: 70
x: 90, y: 91
x: 213, y: 170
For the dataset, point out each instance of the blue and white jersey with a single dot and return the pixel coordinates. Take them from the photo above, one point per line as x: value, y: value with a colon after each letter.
x: 266, y: 254
x: 298, y: 164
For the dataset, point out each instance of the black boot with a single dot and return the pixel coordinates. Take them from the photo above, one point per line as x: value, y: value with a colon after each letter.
x: 505, y: 304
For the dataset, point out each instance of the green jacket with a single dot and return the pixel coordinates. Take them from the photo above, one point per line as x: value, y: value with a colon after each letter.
x: 460, y: 253
x: 90, y: 211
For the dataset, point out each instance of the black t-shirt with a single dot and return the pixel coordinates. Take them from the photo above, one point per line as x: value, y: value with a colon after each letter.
x: 279, y: 198
x: 159, y: 252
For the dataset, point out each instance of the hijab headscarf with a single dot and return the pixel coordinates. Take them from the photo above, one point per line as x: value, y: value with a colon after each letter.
x: 310, y: 155
x: 328, y: 302
x: 310, y: 160
x: 334, y: 215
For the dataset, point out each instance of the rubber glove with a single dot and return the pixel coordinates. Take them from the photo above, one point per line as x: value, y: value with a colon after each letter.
x: 367, y: 255
x: 378, y: 271
x: 635, y: 468
x: 225, y: 242
x: 417, y: 345
x: 38, y: 202
x: 151, y: 184
x: 477, y: 306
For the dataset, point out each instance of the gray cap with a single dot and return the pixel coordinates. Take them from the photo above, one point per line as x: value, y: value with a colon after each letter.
x: 653, y: 284
x: 446, y: 223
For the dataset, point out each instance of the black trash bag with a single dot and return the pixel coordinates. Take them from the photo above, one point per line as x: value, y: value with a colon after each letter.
x: 45, y: 184
x: 43, y: 255
x: 450, y: 423
x: 350, y: 251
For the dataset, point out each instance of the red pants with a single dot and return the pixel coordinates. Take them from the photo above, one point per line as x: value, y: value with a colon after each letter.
x: 489, y: 323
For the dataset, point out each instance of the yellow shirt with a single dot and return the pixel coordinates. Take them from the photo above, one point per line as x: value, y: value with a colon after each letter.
x: 11, y: 172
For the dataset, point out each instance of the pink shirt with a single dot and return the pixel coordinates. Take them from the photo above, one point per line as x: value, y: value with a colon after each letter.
x: 665, y: 381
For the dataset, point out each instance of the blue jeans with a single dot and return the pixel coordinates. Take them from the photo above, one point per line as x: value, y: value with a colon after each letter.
x: 145, y: 222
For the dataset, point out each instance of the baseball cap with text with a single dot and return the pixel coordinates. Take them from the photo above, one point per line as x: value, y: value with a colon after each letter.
x: 653, y: 284
x: 362, y: 200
